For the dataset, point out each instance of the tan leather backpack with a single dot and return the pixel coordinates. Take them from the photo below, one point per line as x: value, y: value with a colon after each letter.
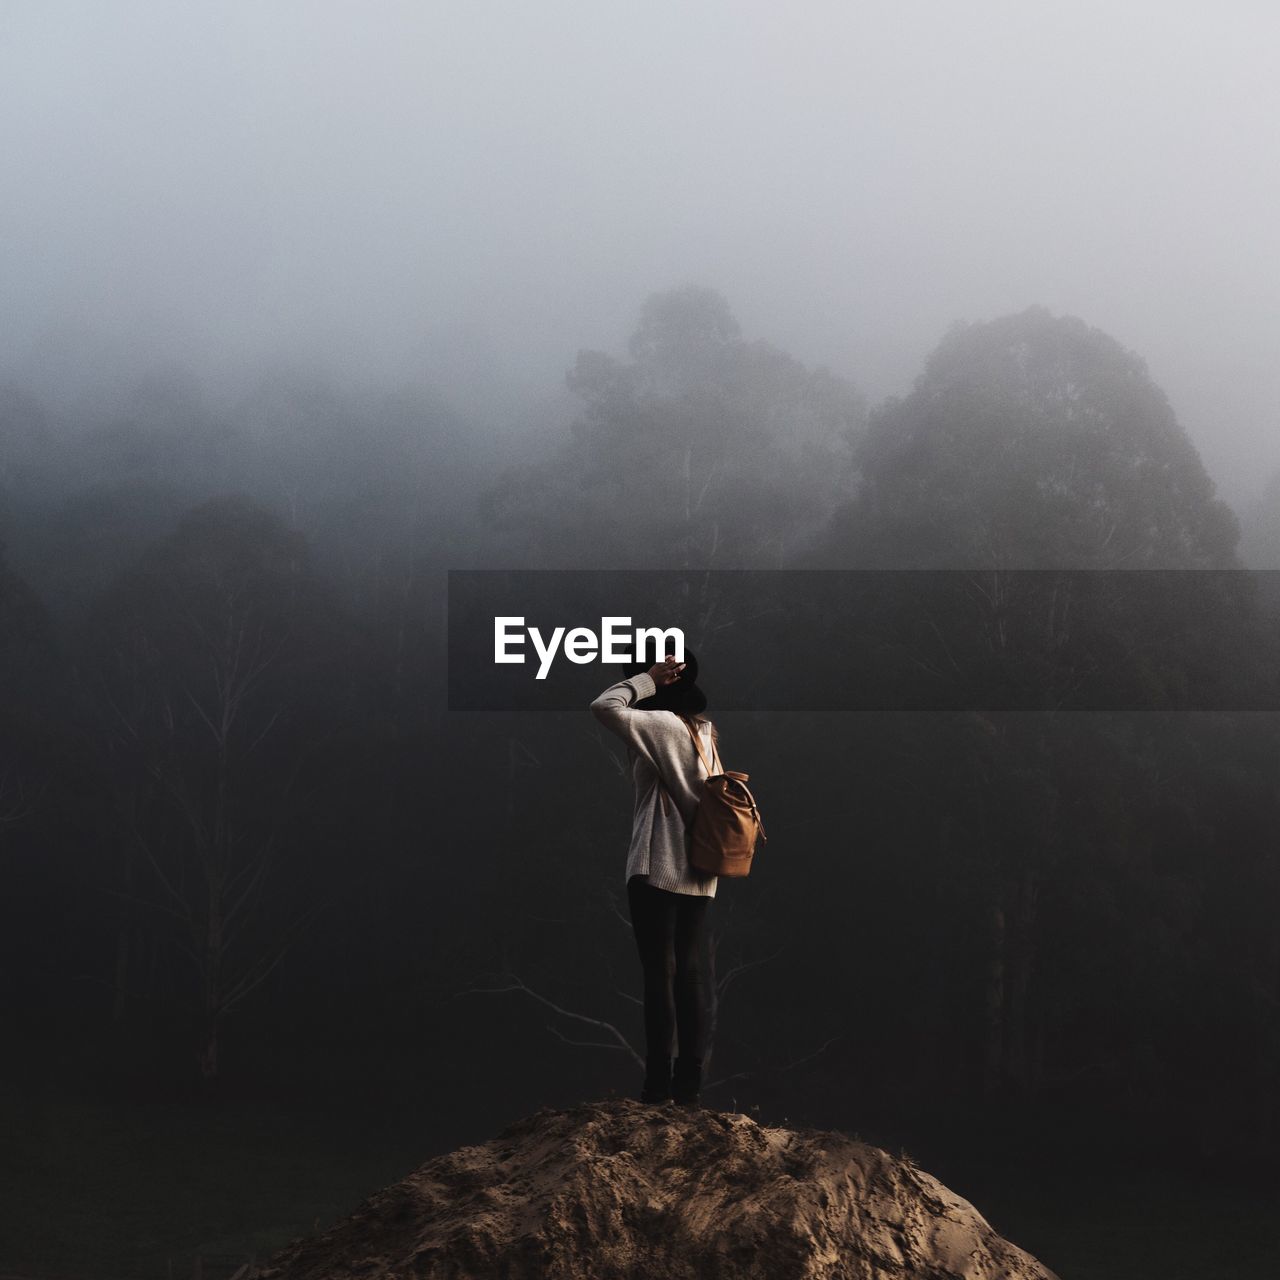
x: 722, y: 837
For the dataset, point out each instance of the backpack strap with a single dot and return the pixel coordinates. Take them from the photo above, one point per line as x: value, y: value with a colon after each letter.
x: 698, y: 747
x: 664, y: 792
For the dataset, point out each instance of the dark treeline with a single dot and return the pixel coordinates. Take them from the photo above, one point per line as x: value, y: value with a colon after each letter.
x: 247, y: 847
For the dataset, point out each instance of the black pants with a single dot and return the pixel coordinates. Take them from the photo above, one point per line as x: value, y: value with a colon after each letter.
x: 669, y: 929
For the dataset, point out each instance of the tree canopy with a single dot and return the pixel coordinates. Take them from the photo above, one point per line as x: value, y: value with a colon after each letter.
x: 703, y: 451
x: 1031, y: 441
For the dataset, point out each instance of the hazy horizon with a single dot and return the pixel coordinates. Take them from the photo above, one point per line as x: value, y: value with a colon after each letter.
x: 467, y: 196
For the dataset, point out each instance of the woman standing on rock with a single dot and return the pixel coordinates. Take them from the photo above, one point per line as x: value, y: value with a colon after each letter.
x: 655, y: 713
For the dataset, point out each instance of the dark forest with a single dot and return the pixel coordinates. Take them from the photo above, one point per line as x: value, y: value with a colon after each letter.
x: 272, y: 907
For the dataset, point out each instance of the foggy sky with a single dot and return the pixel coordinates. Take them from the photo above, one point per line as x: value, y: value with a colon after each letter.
x: 468, y: 192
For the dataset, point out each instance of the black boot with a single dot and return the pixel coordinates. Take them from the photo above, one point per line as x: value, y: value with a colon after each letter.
x: 657, y: 1081
x: 686, y: 1082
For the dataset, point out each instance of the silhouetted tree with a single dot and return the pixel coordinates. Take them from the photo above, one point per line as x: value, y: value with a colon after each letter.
x: 1260, y: 542
x: 1031, y: 441
x: 704, y: 451
x: 207, y: 660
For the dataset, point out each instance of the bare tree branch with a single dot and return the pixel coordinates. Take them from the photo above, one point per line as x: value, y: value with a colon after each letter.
x: 516, y: 984
x: 722, y: 984
x: 776, y: 1070
x: 268, y: 962
x: 582, y: 1044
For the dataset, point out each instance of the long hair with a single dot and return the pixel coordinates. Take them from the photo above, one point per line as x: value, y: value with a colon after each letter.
x: 700, y: 717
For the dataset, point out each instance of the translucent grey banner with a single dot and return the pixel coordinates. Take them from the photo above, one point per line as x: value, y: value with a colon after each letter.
x: 818, y: 640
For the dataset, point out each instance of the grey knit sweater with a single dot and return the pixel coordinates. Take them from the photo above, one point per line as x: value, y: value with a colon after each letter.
x: 659, y: 743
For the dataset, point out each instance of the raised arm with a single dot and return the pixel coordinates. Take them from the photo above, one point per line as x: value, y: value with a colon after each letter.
x: 615, y: 710
x: 613, y: 707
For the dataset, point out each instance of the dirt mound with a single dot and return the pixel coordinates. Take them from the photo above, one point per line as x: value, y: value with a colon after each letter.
x: 617, y: 1189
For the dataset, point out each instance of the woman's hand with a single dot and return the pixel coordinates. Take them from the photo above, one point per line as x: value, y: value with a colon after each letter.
x: 667, y: 671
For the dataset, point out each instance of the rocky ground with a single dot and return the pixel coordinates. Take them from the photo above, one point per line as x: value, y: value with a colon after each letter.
x: 618, y: 1189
